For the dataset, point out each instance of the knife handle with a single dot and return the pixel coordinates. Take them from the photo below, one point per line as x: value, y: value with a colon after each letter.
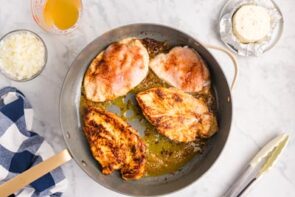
x: 242, y: 183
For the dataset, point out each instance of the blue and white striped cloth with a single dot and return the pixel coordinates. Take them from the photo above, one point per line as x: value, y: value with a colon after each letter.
x: 20, y: 148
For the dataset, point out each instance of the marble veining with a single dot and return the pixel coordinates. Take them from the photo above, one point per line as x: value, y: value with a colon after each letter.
x: 264, y: 98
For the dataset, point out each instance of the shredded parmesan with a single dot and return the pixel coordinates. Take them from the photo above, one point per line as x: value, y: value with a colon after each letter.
x: 22, y: 55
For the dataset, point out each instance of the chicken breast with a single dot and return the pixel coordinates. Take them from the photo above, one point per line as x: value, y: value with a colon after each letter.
x: 117, y: 70
x: 115, y: 144
x: 182, y: 68
x: 177, y: 115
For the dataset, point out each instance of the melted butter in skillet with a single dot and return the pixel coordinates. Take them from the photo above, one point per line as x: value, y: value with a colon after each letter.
x: 163, y: 155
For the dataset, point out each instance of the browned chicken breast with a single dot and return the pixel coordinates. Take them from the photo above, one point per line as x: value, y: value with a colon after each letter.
x: 182, y: 68
x: 115, y: 71
x: 114, y: 144
x: 177, y: 115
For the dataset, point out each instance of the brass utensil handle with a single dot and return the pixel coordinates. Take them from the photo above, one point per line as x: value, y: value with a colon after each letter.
x: 233, y: 59
x: 32, y: 174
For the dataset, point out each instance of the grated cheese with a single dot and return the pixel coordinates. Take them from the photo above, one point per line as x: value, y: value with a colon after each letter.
x: 22, y: 55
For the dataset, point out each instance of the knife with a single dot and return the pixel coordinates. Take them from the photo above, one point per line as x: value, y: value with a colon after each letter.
x: 260, y: 164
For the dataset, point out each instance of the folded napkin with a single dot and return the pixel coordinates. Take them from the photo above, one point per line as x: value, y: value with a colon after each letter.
x: 20, y: 148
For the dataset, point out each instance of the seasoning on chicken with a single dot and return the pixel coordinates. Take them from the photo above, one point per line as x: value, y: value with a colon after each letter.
x: 177, y: 115
x: 117, y: 70
x: 115, y: 144
x: 182, y: 68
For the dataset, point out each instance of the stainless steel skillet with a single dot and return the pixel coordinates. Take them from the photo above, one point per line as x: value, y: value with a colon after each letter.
x: 77, y: 147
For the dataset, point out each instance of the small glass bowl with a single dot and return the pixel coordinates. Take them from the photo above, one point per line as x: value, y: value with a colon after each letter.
x: 37, y: 8
x: 45, y: 55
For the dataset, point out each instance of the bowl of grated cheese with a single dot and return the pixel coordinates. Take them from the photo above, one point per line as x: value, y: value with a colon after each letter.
x: 23, y: 55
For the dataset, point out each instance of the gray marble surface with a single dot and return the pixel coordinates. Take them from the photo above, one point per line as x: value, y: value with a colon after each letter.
x: 264, y: 98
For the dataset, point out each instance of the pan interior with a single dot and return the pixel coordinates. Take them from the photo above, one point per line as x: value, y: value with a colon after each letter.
x: 163, y: 155
x: 77, y: 144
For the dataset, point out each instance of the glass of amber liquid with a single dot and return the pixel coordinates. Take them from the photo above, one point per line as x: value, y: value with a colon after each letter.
x: 57, y: 16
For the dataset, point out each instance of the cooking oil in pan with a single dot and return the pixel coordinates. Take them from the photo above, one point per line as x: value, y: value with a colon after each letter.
x: 163, y: 155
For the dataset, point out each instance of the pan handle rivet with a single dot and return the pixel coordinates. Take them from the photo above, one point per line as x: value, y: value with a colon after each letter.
x: 68, y: 135
x: 84, y: 163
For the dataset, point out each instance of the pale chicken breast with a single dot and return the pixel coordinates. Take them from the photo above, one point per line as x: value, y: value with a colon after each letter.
x: 177, y: 115
x: 115, y: 144
x: 182, y: 68
x: 117, y: 70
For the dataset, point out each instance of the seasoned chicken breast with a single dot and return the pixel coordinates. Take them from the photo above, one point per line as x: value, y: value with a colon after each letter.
x: 177, y: 115
x: 115, y: 144
x: 117, y: 70
x: 182, y: 68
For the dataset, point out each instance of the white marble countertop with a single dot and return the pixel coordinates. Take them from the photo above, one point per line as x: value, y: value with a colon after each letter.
x: 264, y: 98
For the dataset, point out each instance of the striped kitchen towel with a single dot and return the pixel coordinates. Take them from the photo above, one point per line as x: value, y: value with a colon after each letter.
x: 20, y: 148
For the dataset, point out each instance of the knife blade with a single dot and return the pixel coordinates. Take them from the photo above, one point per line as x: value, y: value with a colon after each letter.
x: 260, y: 164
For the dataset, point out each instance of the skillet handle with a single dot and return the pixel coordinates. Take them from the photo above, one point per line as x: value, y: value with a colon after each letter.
x: 233, y: 59
x: 32, y: 174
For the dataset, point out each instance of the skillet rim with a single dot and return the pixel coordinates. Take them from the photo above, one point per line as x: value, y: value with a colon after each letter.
x: 64, y: 132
